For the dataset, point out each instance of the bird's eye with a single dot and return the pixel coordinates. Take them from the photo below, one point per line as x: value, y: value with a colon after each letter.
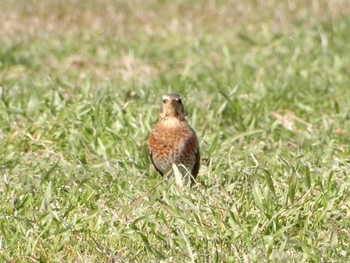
x: 165, y: 100
x: 179, y: 101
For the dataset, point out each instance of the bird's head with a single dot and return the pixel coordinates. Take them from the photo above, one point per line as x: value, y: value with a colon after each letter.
x: 172, y: 106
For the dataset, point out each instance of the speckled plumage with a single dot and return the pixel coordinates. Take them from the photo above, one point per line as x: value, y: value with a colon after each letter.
x: 173, y: 140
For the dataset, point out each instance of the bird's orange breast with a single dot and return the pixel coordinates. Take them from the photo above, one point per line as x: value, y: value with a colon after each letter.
x: 171, y: 142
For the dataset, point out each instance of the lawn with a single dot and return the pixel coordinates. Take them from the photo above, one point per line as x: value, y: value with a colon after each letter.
x: 265, y: 84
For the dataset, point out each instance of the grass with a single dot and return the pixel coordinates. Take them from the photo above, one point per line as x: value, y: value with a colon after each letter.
x: 265, y: 85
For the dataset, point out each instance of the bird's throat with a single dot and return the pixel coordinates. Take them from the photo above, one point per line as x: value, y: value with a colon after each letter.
x: 171, y: 122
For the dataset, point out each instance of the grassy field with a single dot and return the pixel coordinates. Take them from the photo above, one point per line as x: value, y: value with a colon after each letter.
x: 265, y: 84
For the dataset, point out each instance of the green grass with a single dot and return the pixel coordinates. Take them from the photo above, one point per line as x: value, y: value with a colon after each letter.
x: 265, y: 85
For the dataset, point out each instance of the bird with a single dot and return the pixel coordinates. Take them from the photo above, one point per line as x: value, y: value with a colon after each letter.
x: 173, y: 141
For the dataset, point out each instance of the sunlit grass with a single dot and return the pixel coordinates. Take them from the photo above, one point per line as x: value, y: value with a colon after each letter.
x: 266, y: 86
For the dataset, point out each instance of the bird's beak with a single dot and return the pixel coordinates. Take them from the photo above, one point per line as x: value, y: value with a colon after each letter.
x: 170, y: 108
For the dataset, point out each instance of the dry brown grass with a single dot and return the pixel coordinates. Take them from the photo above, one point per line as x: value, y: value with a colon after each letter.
x: 44, y: 22
x: 41, y: 19
x: 128, y: 67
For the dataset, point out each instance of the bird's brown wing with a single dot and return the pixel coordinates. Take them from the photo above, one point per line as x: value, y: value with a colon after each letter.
x: 150, y: 142
x: 195, y: 169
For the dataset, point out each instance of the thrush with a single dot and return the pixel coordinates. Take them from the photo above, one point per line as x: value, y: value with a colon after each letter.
x: 173, y: 141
